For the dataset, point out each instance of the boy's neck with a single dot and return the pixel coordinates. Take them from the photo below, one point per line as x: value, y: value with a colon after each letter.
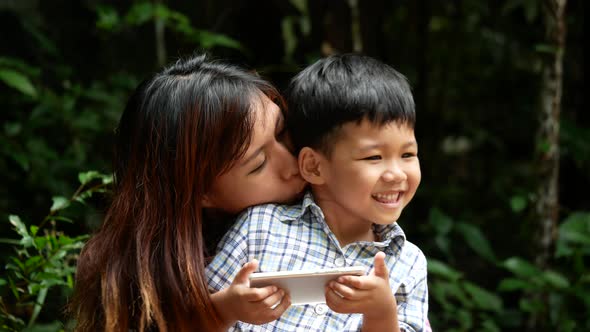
x: 346, y: 229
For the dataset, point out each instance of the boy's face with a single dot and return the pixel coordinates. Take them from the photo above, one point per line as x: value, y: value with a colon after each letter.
x: 372, y: 173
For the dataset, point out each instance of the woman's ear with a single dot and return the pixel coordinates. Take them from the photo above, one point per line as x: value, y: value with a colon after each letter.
x: 310, y: 166
x: 206, y: 202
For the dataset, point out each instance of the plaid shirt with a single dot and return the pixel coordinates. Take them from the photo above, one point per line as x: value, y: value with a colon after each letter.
x: 286, y: 238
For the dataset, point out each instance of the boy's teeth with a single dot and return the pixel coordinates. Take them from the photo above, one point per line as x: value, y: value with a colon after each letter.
x: 387, y: 197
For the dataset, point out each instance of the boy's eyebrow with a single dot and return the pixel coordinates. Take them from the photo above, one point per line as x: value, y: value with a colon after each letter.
x: 378, y: 145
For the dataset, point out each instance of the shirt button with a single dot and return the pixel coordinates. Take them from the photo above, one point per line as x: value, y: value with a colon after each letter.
x: 320, y: 309
x: 339, y: 262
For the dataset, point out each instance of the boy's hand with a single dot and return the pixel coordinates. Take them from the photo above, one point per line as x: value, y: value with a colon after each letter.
x: 369, y: 295
x: 250, y: 305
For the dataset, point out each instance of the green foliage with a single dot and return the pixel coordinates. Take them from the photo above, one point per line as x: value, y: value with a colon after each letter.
x: 44, y: 260
x: 143, y: 12
x: 461, y: 304
x: 466, y: 306
x: 567, y: 286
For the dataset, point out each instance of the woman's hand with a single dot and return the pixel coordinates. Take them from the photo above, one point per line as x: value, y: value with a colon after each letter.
x: 250, y: 305
x: 369, y: 295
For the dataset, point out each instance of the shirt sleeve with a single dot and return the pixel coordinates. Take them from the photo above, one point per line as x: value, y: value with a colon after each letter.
x: 232, y: 254
x: 413, y: 310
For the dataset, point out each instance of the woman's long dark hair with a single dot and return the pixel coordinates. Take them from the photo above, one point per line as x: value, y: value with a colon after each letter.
x: 144, y: 268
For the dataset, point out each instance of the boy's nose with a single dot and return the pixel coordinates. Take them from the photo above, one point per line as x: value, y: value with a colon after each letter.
x: 394, y: 173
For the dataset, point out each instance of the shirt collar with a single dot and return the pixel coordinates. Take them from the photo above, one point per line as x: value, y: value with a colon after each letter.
x: 391, y: 234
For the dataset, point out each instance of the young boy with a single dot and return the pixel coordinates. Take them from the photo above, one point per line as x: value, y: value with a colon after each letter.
x: 351, y: 119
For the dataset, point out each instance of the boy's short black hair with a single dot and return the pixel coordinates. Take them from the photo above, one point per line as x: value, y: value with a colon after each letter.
x: 342, y: 88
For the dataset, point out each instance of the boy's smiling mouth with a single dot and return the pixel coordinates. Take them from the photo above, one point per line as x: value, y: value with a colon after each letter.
x: 390, y: 197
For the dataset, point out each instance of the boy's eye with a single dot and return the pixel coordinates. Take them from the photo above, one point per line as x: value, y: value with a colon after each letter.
x: 408, y: 155
x: 375, y: 157
x: 258, y: 168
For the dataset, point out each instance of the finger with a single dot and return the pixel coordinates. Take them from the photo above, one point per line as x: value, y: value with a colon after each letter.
x: 244, y: 273
x: 362, y: 282
x: 343, y: 290
x: 259, y: 294
x: 336, y: 302
x: 380, y: 269
x: 275, y: 311
x: 281, y: 307
x: 271, y: 300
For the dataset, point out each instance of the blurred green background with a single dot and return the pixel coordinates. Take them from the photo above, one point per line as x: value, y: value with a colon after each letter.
x: 484, y: 74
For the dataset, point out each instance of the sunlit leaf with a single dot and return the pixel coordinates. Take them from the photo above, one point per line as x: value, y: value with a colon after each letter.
x: 556, y: 279
x: 439, y: 268
x: 59, y: 203
x: 521, y: 267
x: 21, y: 229
x: 17, y: 81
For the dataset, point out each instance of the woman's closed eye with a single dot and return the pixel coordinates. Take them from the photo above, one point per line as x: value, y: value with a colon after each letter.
x: 258, y: 168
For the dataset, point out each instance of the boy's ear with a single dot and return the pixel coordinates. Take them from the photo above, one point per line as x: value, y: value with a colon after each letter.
x: 310, y: 166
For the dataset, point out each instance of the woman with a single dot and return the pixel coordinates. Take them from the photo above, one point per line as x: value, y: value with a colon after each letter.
x: 198, y: 135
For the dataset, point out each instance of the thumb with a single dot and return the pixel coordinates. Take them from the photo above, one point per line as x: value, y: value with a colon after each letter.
x: 244, y: 273
x: 380, y: 269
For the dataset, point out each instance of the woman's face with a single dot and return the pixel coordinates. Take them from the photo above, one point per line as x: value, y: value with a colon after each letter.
x: 266, y: 173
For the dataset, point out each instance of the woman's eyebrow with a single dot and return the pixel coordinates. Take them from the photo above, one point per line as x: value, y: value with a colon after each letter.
x: 252, y: 156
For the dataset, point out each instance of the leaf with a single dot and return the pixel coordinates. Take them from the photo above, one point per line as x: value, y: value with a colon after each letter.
x: 12, y: 129
x: 521, y: 267
x: 556, y: 279
x: 440, y: 221
x: 56, y: 326
x: 86, y: 177
x: 21, y: 229
x: 140, y: 13
x: 107, y: 179
x: 38, y: 305
x: 108, y: 18
x: 518, y: 203
x: 513, y: 284
x: 439, y: 268
x: 32, y: 261
x: 546, y: 48
x: 59, y: 203
x: 574, y: 234
x: 483, y: 298
x: 18, y: 81
x: 210, y: 39
x: 477, y: 241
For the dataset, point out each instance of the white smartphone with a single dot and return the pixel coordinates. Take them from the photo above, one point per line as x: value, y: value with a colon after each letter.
x: 305, y: 286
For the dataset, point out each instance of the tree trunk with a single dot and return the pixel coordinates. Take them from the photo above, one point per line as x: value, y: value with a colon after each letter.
x: 159, y: 26
x: 547, y: 205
